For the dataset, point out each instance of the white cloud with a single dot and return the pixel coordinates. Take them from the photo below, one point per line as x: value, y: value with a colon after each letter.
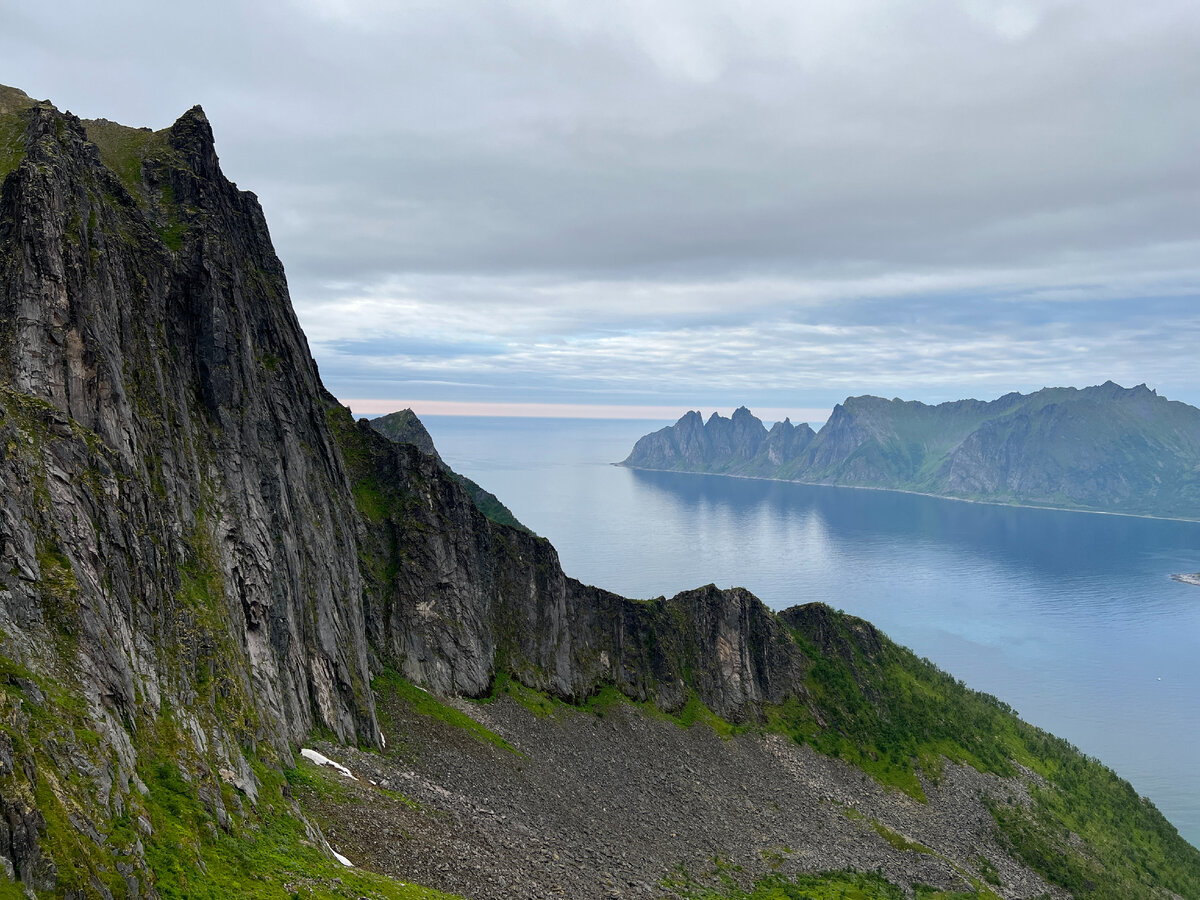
x: 581, y: 197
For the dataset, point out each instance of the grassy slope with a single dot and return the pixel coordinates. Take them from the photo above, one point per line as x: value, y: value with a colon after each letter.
x: 13, y: 104
x: 261, y: 852
x: 890, y: 712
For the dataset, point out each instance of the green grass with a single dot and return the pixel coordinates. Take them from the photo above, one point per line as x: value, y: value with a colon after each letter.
x: 124, y: 150
x: 12, y: 142
x: 267, y: 857
x: 899, y: 841
x: 262, y: 854
x: 893, y: 715
x: 390, y: 685
x: 605, y: 699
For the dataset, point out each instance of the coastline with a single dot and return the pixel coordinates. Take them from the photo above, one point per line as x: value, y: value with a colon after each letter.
x: 1188, y: 579
x: 866, y: 487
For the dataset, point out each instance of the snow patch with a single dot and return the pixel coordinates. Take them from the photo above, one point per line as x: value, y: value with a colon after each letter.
x: 345, y: 862
x: 322, y: 760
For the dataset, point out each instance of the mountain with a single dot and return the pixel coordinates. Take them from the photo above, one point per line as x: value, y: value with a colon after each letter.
x: 206, y: 564
x: 1104, y: 448
x: 404, y: 427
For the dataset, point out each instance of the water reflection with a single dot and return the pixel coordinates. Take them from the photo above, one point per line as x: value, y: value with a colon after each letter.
x: 1047, y: 544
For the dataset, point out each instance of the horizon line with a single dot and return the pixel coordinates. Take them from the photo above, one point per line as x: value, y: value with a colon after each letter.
x: 377, y: 407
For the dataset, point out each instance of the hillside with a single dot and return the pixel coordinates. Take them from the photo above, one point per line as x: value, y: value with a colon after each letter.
x: 404, y: 427
x: 1104, y: 448
x: 206, y: 564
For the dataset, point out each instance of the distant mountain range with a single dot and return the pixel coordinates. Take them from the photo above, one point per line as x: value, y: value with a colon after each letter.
x: 1104, y: 448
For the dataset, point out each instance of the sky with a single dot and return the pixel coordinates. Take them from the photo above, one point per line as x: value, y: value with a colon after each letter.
x: 638, y: 207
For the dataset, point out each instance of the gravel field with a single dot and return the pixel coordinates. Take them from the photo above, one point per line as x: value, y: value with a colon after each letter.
x: 606, y: 806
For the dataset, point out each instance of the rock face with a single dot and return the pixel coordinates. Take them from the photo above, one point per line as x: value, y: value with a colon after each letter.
x: 404, y: 427
x: 1103, y: 448
x: 192, y: 531
x: 469, y: 597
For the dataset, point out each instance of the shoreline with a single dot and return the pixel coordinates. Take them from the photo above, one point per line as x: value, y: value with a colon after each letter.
x: 867, y: 487
x: 1187, y: 579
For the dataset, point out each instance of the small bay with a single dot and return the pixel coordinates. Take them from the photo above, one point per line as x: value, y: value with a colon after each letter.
x: 1072, y: 618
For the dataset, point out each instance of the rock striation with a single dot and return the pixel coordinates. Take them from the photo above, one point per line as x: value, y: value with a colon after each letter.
x: 1104, y: 448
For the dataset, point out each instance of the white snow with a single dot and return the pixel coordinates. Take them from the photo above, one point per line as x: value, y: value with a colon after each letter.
x: 345, y: 862
x: 322, y: 760
x: 383, y: 740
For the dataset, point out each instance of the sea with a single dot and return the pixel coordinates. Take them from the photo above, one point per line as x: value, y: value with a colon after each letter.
x: 1071, y: 618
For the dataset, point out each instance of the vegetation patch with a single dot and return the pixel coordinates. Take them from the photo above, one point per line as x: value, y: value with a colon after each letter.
x: 392, y: 686
x: 12, y: 141
x: 268, y: 855
x: 724, y: 882
x: 124, y: 150
x: 606, y: 698
x: 899, y: 841
x: 881, y: 708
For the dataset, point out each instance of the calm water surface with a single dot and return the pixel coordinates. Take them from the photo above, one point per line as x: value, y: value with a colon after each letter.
x: 1071, y: 618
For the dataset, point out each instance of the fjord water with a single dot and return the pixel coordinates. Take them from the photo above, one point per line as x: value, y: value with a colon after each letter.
x: 1072, y: 618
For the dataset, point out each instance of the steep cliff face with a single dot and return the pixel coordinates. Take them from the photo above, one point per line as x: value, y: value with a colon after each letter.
x: 176, y: 534
x: 454, y: 598
x: 1103, y: 448
x: 152, y: 316
x: 188, y: 574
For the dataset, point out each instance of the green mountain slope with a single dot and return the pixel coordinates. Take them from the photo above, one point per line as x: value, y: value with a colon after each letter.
x: 1103, y: 448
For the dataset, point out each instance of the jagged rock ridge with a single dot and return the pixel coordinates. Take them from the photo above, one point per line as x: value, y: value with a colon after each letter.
x: 1104, y: 448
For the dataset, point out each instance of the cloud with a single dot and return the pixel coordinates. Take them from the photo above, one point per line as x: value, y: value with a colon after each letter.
x: 590, y: 199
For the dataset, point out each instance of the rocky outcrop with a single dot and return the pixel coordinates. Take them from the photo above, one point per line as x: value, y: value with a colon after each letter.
x: 404, y: 427
x: 1101, y: 448
x: 738, y: 445
x: 454, y: 598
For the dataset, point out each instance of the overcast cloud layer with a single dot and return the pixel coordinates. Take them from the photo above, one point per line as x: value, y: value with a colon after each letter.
x: 689, y: 203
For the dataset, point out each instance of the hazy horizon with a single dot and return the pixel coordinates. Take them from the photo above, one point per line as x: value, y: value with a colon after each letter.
x: 668, y: 204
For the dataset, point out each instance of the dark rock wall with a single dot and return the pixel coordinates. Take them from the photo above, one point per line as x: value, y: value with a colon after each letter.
x: 453, y: 598
x: 153, y: 317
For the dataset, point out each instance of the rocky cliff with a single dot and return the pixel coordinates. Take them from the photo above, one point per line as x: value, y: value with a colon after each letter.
x: 204, y: 560
x: 739, y: 445
x: 1104, y: 448
x: 195, y: 537
x: 404, y: 427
